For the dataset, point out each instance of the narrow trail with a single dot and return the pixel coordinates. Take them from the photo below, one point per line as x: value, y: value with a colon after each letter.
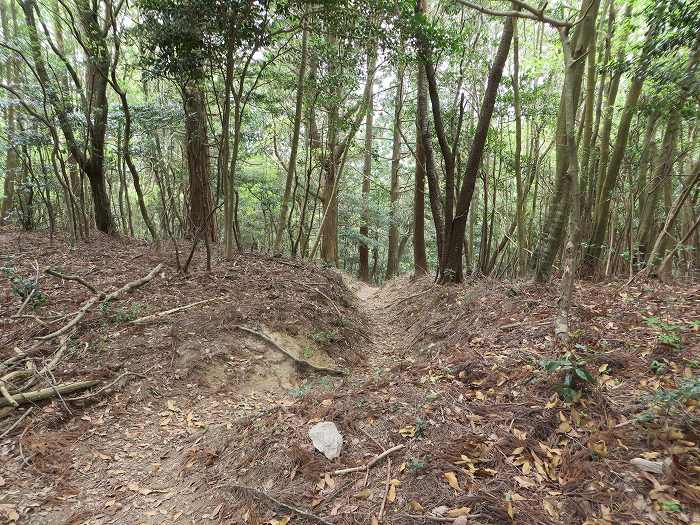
x: 384, y: 337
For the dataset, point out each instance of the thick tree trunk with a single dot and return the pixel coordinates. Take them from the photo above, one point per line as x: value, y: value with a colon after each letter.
x: 557, y: 216
x: 200, y: 203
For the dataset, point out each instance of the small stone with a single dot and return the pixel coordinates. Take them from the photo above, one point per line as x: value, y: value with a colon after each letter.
x: 326, y: 439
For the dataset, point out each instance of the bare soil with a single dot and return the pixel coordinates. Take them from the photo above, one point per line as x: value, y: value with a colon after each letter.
x: 214, y: 429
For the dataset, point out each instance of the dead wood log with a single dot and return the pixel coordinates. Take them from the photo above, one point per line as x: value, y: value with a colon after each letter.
x: 300, y: 362
x: 52, y: 391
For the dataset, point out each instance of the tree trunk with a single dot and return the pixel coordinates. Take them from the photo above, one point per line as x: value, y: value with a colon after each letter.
x: 558, y: 213
x: 363, y: 272
x: 197, y: 148
x: 420, y: 260
x: 453, y: 271
x: 520, y: 200
x: 608, y: 181
x: 392, y: 261
x: 291, y: 168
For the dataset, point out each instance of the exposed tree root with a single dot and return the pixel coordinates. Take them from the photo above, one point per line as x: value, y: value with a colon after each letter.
x: 300, y: 362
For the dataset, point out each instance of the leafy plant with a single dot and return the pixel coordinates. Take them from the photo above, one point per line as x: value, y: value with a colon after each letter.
x: 325, y: 336
x: 658, y: 367
x: 670, y: 333
x: 672, y: 401
x: 414, y: 465
x: 575, y: 375
x: 23, y: 288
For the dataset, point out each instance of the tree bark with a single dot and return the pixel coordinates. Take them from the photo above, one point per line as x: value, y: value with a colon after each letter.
x: 296, y: 127
x: 557, y: 215
x: 453, y: 271
x: 363, y: 272
x: 197, y: 150
x: 392, y: 263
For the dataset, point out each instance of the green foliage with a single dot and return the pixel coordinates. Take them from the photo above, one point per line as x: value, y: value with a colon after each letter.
x: 671, y: 402
x: 122, y: 314
x: 670, y: 333
x: 182, y: 38
x: 575, y: 375
x: 414, y: 465
x: 325, y: 336
x: 23, y: 288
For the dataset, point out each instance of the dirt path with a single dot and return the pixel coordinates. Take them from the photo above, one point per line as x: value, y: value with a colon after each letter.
x: 142, y: 455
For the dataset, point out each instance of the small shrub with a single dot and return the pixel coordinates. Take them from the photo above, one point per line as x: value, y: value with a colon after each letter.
x: 670, y: 333
x: 670, y: 402
x: 576, y: 376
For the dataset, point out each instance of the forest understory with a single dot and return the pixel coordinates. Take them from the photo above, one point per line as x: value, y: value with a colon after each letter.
x: 475, y: 412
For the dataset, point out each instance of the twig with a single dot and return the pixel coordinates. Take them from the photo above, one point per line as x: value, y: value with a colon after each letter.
x: 301, y: 512
x: 333, y: 371
x: 76, y: 278
x: 386, y: 490
x: 31, y: 294
x: 16, y: 423
x: 439, y: 519
x: 152, y: 317
x: 326, y: 297
x: 410, y: 297
x: 369, y: 465
x: 9, y: 400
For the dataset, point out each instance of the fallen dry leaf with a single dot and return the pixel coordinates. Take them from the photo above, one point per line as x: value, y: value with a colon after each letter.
x: 451, y: 478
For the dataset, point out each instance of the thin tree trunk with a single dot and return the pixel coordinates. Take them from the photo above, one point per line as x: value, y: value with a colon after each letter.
x: 453, y: 271
x: 363, y: 272
x: 291, y: 168
x: 392, y: 262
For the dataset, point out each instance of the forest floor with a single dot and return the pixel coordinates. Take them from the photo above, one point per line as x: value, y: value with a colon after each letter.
x: 463, y: 386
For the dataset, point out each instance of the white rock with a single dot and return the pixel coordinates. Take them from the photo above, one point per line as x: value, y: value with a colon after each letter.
x: 326, y: 439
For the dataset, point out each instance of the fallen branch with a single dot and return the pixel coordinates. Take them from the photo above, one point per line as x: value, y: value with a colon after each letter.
x: 152, y: 317
x: 47, y: 393
x: 300, y: 512
x: 386, y: 490
x: 301, y: 362
x: 417, y: 294
x: 75, y: 278
x: 78, y: 316
x: 128, y: 287
x: 31, y: 294
x: 371, y: 463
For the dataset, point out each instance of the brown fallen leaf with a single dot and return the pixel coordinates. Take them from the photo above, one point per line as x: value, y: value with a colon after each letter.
x: 451, y: 478
x: 461, y: 511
